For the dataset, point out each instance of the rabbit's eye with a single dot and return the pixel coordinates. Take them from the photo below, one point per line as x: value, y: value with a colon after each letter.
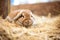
x: 22, y: 16
x: 31, y: 16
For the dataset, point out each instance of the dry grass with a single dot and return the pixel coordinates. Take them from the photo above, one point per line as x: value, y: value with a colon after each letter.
x: 45, y: 28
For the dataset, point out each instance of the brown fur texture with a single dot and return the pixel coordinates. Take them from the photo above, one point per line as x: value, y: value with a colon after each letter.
x: 22, y: 17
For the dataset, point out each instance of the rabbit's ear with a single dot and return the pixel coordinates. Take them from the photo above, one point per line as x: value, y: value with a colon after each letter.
x: 18, y: 15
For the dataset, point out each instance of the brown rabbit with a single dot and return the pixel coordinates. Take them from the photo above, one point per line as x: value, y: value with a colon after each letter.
x: 22, y: 17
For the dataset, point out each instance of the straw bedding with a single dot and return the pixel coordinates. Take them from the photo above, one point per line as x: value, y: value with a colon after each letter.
x: 45, y: 28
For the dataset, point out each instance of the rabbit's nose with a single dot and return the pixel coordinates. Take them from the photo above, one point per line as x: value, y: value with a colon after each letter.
x: 27, y: 23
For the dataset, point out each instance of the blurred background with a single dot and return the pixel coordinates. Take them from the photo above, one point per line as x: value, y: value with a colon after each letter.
x: 19, y: 2
x: 38, y: 7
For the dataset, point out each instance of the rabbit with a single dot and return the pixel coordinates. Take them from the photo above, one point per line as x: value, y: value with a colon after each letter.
x: 22, y: 17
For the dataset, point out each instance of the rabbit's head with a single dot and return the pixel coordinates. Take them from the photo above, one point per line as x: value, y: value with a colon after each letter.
x: 22, y: 17
x: 25, y: 18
